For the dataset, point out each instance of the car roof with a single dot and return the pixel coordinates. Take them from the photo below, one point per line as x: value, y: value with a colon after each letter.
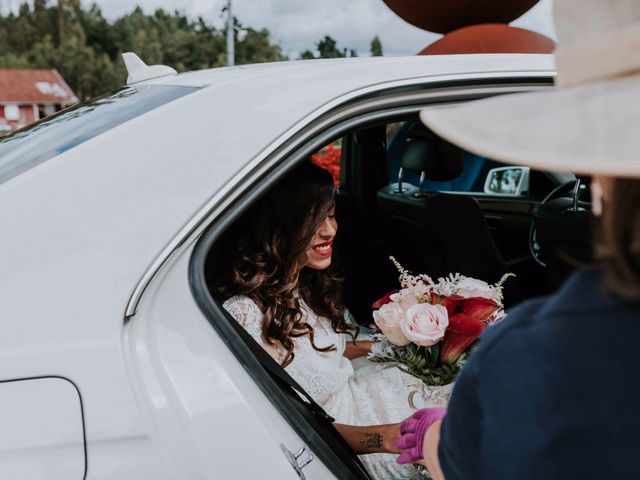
x: 379, y: 68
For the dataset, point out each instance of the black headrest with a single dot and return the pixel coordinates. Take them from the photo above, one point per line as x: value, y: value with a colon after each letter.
x: 426, y: 152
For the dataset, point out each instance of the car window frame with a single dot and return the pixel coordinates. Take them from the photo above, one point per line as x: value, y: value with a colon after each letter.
x: 400, y: 93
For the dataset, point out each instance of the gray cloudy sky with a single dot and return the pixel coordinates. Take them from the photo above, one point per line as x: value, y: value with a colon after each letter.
x: 298, y: 24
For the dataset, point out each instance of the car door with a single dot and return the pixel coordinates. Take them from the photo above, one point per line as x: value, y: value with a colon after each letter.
x: 209, y: 417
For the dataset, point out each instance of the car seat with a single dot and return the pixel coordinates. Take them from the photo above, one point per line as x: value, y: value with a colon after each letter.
x: 438, y: 233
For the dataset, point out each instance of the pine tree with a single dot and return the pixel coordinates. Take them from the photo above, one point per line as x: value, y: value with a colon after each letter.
x: 327, y: 48
x: 376, y: 47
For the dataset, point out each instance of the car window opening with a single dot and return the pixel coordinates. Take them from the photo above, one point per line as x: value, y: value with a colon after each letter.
x: 437, y: 220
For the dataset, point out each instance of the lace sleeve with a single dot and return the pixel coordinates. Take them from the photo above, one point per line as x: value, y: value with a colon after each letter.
x: 247, y: 314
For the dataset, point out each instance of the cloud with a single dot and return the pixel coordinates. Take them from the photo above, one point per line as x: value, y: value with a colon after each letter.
x: 539, y: 19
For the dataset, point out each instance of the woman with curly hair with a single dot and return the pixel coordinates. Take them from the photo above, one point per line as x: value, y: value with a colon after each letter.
x: 283, y: 288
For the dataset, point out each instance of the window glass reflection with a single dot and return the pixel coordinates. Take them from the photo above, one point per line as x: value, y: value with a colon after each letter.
x: 41, y: 141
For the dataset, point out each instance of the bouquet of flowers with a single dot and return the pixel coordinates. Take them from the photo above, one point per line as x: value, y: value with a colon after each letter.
x: 429, y: 328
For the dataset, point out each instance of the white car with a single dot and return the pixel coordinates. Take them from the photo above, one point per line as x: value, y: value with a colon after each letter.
x: 115, y: 361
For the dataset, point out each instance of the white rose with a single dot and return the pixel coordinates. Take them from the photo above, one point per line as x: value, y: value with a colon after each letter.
x: 406, y: 298
x: 472, y: 287
x: 388, y: 319
x: 420, y: 289
x: 425, y: 324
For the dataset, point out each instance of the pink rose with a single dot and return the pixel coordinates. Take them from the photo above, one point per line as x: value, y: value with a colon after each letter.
x: 425, y: 324
x: 388, y: 319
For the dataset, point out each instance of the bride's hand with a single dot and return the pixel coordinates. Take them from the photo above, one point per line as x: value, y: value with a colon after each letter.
x: 393, y: 434
x: 357, y: 349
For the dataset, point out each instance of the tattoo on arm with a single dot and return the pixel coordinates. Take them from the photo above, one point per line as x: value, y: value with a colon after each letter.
x: 372, y: 440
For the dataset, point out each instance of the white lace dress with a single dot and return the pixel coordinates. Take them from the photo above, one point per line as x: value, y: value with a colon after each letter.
x: 355, y: 393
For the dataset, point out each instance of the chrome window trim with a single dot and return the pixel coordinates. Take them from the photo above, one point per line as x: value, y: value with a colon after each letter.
x: 362, y: 106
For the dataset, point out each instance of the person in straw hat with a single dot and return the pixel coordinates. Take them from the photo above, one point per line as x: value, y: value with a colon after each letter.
x: 552, y: 391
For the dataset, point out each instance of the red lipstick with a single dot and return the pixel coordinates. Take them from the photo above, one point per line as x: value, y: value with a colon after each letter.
x: 322, y: 250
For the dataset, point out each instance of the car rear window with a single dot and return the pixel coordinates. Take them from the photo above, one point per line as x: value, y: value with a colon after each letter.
x: 41, y: 141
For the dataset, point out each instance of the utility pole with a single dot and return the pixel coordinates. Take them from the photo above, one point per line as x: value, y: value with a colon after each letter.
x: 230, y: 36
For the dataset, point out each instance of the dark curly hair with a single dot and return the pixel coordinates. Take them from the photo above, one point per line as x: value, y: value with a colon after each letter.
x: 264, y: 250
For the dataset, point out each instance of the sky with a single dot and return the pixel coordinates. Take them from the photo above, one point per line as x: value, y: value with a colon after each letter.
x: 296, y: 25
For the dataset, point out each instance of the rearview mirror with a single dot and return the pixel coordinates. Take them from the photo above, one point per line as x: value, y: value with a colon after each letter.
x: 507, y: 181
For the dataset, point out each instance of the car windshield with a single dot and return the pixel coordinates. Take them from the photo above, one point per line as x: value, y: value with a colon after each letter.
x: 41, y: 141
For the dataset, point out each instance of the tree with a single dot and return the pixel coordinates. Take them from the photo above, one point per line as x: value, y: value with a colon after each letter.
x: 25, y: 33
x: 256, y: 46
x: 43, y: 53
x: 5, y: 48
x: 11, y: 60
x: 99, y: 33
x: 307, y: 55
x: 86, y: 48
x: 61, y: 21
x: 376, y: 47
x: 328, y: 48
x: 41, y: 17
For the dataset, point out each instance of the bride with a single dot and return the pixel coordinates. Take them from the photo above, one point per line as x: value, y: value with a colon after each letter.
x: 282, y: 289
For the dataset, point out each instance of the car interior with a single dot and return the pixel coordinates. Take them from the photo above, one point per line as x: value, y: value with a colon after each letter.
x: 403, y: 191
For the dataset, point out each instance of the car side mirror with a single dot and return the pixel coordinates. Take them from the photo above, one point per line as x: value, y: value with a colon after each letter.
x: 507, y: 181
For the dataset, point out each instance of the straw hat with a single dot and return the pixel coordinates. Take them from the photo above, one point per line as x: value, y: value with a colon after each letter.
x: 590, y: 123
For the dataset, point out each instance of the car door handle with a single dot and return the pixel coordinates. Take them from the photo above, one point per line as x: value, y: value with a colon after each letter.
x: 294, y: 459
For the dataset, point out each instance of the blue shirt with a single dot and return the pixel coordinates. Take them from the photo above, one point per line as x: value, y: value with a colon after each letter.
x: 551, y: 392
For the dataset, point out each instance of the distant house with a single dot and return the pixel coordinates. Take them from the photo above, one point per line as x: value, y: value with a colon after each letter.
x: 29, y: 95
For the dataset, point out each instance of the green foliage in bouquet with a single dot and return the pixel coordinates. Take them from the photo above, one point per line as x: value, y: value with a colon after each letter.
x: 421, y: 362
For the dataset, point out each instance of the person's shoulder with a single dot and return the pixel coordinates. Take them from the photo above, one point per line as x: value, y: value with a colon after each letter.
x: 583, y: 290
x: 247, y: 313
x: 238, y: 301
x: 517, y: 321
x: 242, y: 308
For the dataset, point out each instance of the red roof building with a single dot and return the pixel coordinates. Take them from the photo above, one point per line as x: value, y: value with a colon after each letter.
x: 29, y: 95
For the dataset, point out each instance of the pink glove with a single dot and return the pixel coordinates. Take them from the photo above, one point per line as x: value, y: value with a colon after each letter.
x: 413, y: 431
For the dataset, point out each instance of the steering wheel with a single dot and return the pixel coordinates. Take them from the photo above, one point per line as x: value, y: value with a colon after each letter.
x: 575, y: 187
